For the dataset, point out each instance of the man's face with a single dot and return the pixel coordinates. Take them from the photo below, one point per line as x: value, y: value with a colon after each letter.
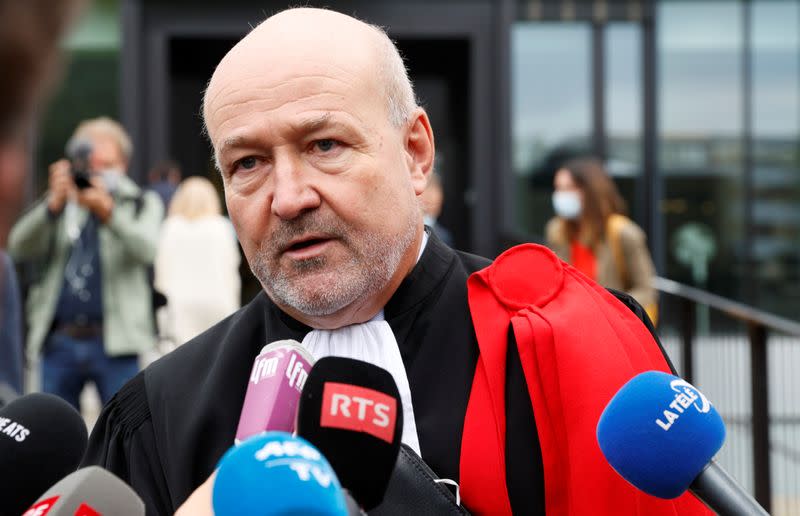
x: 106, y: 155
x: 319, y: 185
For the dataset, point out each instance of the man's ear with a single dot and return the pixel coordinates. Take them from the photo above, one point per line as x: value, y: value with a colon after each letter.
x: 420, y: 149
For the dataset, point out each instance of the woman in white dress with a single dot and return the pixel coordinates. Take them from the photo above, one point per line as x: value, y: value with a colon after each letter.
x: 197, y: 262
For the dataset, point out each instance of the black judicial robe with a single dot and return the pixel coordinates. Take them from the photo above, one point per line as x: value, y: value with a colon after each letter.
x: 165, y: 430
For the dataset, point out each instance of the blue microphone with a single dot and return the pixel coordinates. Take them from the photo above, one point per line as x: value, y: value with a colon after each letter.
x: 660, y: 433
x: 276, y: 474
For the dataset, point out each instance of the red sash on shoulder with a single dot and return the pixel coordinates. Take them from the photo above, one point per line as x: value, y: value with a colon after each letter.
x: 578, y: 345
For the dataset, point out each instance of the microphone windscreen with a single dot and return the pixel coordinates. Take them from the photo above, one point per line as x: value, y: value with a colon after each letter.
x: 42, y: 440
x: 351, y: 411
x: 659, y: 432
x: 276, y: 473
x: 90, y: 490
x: 273, y: 389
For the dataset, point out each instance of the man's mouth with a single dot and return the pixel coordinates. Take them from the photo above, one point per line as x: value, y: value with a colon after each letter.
x: 306, y: 245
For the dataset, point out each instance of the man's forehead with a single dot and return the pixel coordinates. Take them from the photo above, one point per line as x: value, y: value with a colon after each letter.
x: 298, y: 42
x: 305, y: 95
x: 298, y: 105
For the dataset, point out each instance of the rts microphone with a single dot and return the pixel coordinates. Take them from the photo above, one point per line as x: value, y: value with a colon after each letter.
x: 351, y: 411
x: 660, y: 433
x: 273, y: 390
x: 276, y: 474
x: 87, y: 492
x: 42, y: 439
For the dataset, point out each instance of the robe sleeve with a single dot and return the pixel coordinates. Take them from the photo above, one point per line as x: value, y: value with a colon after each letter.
x: 123, y: 442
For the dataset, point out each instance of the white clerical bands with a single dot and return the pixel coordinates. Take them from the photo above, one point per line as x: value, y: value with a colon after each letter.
x: 372, y: 342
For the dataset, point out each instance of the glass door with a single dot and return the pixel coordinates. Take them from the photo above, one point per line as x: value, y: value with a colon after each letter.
x: 576, y: 89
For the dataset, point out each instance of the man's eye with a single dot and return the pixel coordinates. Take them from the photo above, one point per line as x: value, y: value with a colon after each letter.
x: 326, y: 145
x: 247, y: 163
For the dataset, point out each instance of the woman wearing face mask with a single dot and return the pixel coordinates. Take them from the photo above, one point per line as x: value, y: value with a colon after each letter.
x: 591, y: 232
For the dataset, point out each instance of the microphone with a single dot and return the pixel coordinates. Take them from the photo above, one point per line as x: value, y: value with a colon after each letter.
x: 660, y: 433
x: 88, y: 491
x: 42, y: 439
x: 351, y: 411
x: 273, y: 390
x: 276, y: 474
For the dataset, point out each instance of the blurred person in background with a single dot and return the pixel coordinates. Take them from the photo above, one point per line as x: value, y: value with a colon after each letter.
x: 29, y: 35
x: 197, y: 263
x: 591, y: 232
x: 432, y: 200
x: 10, y: 331
x: 89, y: 314
x: 163, y: 179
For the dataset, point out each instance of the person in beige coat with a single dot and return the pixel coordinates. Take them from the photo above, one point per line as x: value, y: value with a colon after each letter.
x: 591, y: 232
x: 197, y: 263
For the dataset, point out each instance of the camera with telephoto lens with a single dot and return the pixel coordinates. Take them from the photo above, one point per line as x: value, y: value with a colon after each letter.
x: 78, y: 153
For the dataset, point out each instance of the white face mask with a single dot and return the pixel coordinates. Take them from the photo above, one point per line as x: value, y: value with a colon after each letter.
x: 567, y: 204
x: 111, y: 178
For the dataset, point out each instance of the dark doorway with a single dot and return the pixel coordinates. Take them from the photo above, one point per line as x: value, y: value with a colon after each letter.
x: 439, y: 70
x: 191, y: 63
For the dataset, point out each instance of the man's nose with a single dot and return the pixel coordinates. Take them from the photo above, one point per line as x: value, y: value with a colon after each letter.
x: 293, y: 194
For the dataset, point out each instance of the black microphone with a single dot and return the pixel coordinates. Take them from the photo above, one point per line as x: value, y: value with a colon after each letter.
x: 351, y: 411
x: 90, y: 490
x: 42, y: 439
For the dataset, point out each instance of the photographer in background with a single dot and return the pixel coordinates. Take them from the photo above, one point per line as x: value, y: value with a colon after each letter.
x: 89, y: 313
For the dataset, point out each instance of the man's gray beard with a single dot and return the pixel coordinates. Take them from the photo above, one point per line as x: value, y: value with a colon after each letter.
x: 368, y: 271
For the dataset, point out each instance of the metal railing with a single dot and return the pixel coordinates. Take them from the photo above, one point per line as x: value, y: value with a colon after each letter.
x: 759, y: 325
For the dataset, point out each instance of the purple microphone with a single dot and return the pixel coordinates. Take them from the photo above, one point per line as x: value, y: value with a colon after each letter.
x: 273, y: 390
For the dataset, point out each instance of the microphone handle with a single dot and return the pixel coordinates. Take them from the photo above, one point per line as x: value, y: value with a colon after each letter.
x: 717, y: 489
x: 353, y: 509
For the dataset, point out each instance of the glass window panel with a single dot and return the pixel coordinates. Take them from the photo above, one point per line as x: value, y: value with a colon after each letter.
x: 551, y: 109
x: 700, y: 113
x: 775, y: 57
x: 623, y: 109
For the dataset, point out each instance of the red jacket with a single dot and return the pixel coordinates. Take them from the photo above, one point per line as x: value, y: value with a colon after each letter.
x: 578, y: 345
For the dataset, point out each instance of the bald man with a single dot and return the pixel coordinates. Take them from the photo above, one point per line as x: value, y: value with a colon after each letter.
x: 324, y: 154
